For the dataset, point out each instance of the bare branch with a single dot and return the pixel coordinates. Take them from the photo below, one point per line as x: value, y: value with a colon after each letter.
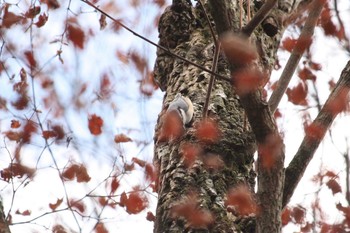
x: 303, y: 42
x: 334, y: 105
x: 155, y: 44
x: 259, y: 17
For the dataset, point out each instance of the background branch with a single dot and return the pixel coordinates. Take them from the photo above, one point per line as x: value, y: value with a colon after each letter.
x: 303, y: 42
x: 336, y: 102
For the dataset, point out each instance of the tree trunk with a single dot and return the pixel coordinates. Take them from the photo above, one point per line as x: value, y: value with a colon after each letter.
x: 4, y: 227
x: 201, y: 188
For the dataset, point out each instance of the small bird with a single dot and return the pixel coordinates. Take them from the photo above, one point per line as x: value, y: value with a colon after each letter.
x: 183, y: 106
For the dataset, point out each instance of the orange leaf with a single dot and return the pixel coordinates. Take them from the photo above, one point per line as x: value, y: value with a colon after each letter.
x: 15, y: 124
x: 238, y: 49
x: 13, y: 136
x: 207, y: 131
x: 121, y: 138
x: 242, y: 200
x: 95, y: 124
x: 53, y: 207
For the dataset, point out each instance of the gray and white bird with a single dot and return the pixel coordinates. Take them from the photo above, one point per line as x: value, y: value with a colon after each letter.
x: 183, y: 106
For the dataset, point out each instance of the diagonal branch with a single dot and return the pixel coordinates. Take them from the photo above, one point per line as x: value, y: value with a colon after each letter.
x: 303, y: 42
x: 336, y: 102
x: 258, y: 17
x: 155, y: 44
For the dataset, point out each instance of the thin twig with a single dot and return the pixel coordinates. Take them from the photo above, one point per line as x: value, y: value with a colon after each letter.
x: 155, y: 44
x: 258, y: 17
x: 346, y: 39
x: 303, y: 42
x: 214, y: 65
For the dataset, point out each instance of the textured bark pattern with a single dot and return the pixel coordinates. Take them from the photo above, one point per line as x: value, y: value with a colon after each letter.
x: 189, y: 36
x: 4, y: 227
x: 184, y: 30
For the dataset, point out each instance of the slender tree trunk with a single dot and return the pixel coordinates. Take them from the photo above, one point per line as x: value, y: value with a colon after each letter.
x: 201, y: 187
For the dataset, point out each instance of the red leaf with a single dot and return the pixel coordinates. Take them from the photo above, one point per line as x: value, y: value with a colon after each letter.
x: 139, y: 162
x: 334, y: 186
x: 28, y: 130
x: 32, y: 12
x: 190, y: 153
x: 247, y: 80
x: 16, y: 170
x: 286, y: 216
x: 340, y: 103
x: 53, y: 207
x: 270, y: 150
x: 297, y: 95
x: 24, y: 213
x: 306, y: 74
x: 212, y: 161
x: 100, y: 228
x: 15, y: 124
x: 59, y: 131
x: 150, y: 216
x: 30, y: 58
x: 10, y: 18
x: 58, y: 229
x: 42, y: 20
x: 207, y: 131
x: 188, y: 208
x: 315, y: 66
x: 121, y: 138
x: 171, y: 128
x: 13, y: 136
x: 237, y: 49
x: 114, y: 185
x: 76, y: 204
x: 298, y: 214
x: 242, y: 200
x: 136, y: 203
x: 314, y: 131
x: 76, y: 171
x: 102, y: 21
x: 49, y: 134
x: 123, y: 199
x: 75, y: 33
x: 52, y: 4
x: 288, y: 44
x: 95, y: 124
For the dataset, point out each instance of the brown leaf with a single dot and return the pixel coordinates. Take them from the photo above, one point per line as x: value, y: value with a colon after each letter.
x: 16, y: 170
x: 100, y: 228
x: 334, y: 186
x: 121, y: 138
x: 42, y: 20
x: 190, y: 153
x: 13, y: 136
x: 95, y: 124
x: 247, y: 80
x: 114, y: 185
x: 54, y: 206
x: 82, y: 175
x: 298, y: 214
x: 136, y: 203
x: 172, y: 127
x: 139, y: 162
x: 52, y: 4
x: 76, y: 204
x: 150, y: 216
x: 306, y: 74
x: 289, y: 44
x: 10, y: 18
x: 75, y: 33
x: 102, y: 21
x: 59, y: 229
x: 32, y: 12
x: 49, y: 134
x: 24, y: 213
x: 30, y: 58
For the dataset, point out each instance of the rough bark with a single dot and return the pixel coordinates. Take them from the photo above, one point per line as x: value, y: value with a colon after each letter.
x: 4, y: 227
x: 184, y: 30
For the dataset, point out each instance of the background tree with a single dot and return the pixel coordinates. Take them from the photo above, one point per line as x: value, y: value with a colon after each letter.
x: 78, y: 105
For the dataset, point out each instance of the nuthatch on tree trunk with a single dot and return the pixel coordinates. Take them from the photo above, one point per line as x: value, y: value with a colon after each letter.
x: 183, y: 106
